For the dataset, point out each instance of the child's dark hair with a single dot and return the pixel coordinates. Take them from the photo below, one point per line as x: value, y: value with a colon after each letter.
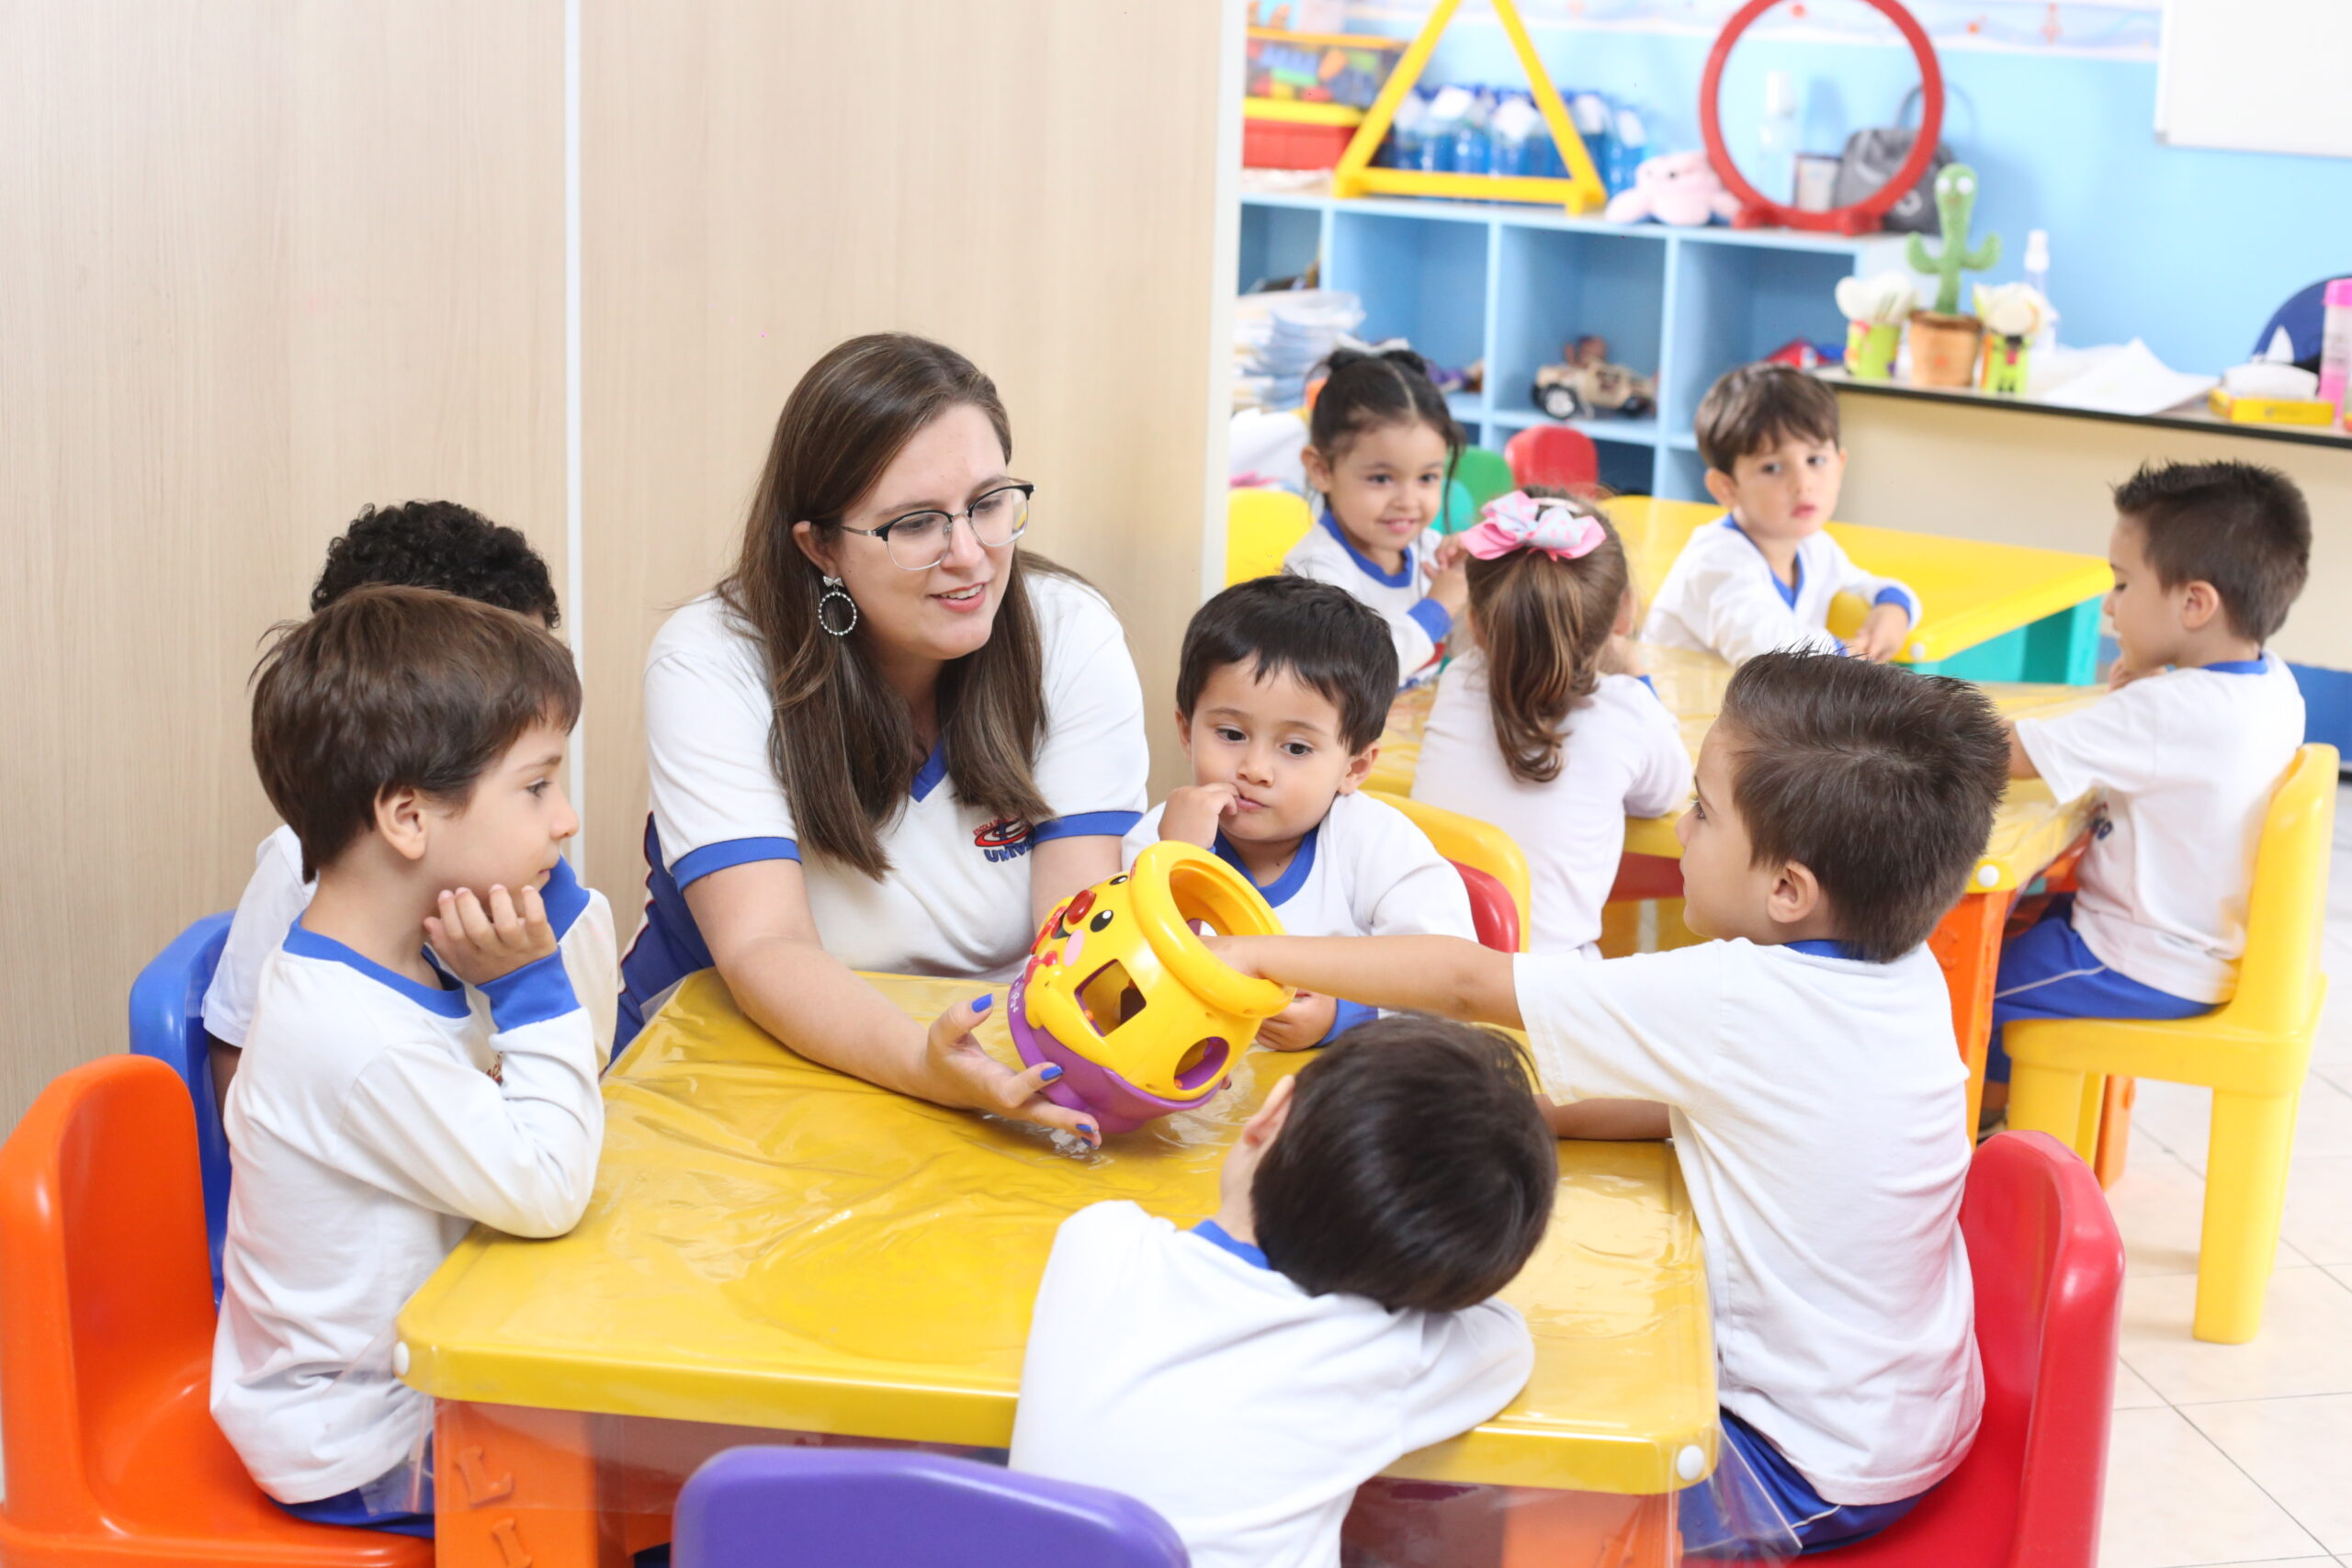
x: 1329, y: 640
x: 1542, y: 625
x: 437, y: 544
x: 1880, y: 782
x: 1366, y: 392
x: 1414, y: 1168
x: 390, y: 688
x: 2243, y: 528
x: 1757, y: 406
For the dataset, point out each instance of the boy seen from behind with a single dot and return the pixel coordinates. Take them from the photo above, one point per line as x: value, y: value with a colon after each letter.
x: 1803, y: 1062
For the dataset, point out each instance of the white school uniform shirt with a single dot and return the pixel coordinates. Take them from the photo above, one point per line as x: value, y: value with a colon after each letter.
x: 1417, y: 623
x: 2186, y: 763
x: 1816, y: 1103
x: 1721, y: 596
x: 580, y: 918
x: 367, y: 1133
x: 1175, y: 1367
x: 956, y: 900
x: 1622, y: 755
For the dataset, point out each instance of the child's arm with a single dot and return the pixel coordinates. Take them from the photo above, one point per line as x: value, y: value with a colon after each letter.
x: 1894, y: 608
x: 1443, y: 975
x: 2021, y: 765
x: 1474, y: 1362
x: 1744, y: 614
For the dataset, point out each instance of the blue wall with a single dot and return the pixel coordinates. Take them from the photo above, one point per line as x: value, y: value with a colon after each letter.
x: 2188, y: 248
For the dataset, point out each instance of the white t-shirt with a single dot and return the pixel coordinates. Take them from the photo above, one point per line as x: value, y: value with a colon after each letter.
x: 1720, y: 596
x: 2186, y: 763
x: 368, y: 1132
x: 1816, y: 1102
x: 956, y: 900
x: 1622, y: 755
x: 582, y: 919
x: 1416, y: 622
x: 1181, y: 1370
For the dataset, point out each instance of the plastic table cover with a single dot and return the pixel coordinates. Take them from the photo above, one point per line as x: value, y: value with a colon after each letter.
x: 772, y: 1243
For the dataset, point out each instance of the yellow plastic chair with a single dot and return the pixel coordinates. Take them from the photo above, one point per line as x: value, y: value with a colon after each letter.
x: 2252, y: 1052
x: 1480, y: 846
x: 1260, y: 526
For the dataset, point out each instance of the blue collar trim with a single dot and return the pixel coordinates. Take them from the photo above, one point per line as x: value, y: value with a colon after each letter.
x: 1823, y: 947
x: 2239, y: 666
x: 1401, y: 578
x: 1294, y: 877
x: 1217, y: 1236
x: 564, y: 899
x: 447, y: 999
x: 1789, y: 591
x: 933, y: 769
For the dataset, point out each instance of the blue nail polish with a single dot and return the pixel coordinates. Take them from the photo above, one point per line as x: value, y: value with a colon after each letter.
x: 983, y: 1003
x: 1086, y: 1130
x: 1050, y: 1074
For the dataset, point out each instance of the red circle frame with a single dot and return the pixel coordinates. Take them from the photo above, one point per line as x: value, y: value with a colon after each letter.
x: 1861, y: 217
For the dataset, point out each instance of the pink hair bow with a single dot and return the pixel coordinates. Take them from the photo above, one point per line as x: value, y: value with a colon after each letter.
x: 1522, y: 521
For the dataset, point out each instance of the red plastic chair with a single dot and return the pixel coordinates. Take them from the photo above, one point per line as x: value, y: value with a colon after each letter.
x: 1554, y: 455
x: 2049, y: 1273
x: 1493, y: 914
x: 106, y: 1348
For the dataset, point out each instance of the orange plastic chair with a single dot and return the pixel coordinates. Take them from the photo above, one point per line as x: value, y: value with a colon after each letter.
x: 106, y: 1348
x: 1486, y: 850
x: 1554, y: 455
x: 2048, y: 1267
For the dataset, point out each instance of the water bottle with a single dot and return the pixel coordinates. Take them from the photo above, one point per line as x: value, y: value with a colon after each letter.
x: 2037, y: 274
x: 1473, y: 154
x: 1627, y: 148
x: 1442, y: 129
x: 1407, y: 135
x: 1514, y: 133
x: 2335, y: 344
x: 1778, y: 136
x: 1589, y: 112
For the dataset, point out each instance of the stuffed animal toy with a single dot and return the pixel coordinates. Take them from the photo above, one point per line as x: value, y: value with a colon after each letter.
x: 1676, y: 188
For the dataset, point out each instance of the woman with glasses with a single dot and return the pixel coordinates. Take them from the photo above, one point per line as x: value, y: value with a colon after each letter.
x: 890, y: 739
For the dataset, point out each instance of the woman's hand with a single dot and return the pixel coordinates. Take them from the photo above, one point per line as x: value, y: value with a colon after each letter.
x: 956, y: 1071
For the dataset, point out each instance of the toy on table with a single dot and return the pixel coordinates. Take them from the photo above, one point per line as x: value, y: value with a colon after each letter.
x: 2012, y: 314
x: 1674, y: 187
x: 1876, y: 310
x: 1943, y: 342
x: 1123, y: 996
x: 1584, y: 383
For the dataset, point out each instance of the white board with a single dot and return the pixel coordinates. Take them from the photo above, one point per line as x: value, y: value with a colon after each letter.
x: 2256, y: 75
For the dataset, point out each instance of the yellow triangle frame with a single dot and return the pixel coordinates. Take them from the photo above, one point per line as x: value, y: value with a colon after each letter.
x: 1355, y: 176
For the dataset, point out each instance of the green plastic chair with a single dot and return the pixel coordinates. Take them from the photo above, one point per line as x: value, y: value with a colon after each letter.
x: 1486, y: 475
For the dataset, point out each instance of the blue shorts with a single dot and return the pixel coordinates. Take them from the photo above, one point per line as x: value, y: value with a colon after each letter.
x: 350, y: 1510
x: 1756, y: 1503
x: 2047, y: 971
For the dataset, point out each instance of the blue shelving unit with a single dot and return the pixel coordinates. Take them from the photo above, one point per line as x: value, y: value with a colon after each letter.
x: 1510, y: 284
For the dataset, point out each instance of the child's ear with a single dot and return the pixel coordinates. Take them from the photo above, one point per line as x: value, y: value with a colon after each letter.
x: 1795, y: 897
x: 1359, y: 768
x: 1184, y: 732
x: 1629, y: 611
x: 1723, y: 488
x: 1268, y: 1119
x: 2200, y: 603
x: 805, y: 536
x: 400, y: 820
x: 1318, y: 470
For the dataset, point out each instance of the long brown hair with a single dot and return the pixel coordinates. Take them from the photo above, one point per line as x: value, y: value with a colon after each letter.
x: 1543, y: 624
x: 843, y: 743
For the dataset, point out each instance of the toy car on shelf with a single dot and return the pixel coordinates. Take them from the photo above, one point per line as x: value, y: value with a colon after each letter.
x: 1584, y: 384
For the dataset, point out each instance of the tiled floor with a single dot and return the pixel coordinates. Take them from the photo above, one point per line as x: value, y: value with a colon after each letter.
x: 2226, y: 1454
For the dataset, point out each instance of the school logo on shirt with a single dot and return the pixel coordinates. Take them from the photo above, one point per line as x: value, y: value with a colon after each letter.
x: 1007, y: 837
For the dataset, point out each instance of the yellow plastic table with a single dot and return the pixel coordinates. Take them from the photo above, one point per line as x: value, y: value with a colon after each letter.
x: 1987, y: 612
x: 773, y: 1247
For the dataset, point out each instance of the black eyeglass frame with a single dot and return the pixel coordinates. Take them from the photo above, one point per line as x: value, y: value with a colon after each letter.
x: 882, y: 531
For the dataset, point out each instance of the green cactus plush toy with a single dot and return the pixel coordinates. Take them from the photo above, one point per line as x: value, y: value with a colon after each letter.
x: 1955, y: 200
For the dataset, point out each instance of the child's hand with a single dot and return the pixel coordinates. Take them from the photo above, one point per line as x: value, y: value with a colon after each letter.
x: 1194, y: 812
x: 1882, y: 632
x: 478, y: 944
x: 1299, y: 1026
x: 2120, y: 674
x: 1450, y: 587
x: 1452, y: 551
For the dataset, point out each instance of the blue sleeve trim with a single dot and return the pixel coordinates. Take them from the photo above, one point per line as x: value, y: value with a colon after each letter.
x: 1086, y: 825
x: 1651, y: 684
x: 1895, y: 593
x: 1432, y: 618
x: 1346, y: 1015
x: 695, y: 864
x: 536, y: 992
x: 564, y: 899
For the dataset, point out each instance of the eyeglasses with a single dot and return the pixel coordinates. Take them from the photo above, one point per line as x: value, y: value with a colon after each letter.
x: 920, y: 540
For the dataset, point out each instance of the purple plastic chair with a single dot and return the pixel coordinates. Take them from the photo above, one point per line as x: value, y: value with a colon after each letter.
x: 777, y: 1507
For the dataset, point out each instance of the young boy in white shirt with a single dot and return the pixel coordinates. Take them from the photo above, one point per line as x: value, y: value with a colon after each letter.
x: 1763, y: 576
x: 1804, y: 1063
x: 2198, y: 725
x: 390, y: 1096
x: 418, y: 544
x: 1282, y: 692
x: 1244, y: 1377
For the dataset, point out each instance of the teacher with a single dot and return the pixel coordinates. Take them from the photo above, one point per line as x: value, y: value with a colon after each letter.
x: 890, y: 738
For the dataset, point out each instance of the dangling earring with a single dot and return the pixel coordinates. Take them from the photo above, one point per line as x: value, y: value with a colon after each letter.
x: 833, y: 591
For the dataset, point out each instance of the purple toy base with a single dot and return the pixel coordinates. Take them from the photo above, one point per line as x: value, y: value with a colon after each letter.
x: 1116, y: 1105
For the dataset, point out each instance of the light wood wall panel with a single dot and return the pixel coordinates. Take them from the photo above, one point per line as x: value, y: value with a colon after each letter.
x: 259, y: 264
x: 1032, y: 181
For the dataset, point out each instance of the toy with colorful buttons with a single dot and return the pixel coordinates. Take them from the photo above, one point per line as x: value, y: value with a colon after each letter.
x: 1123, y: 995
